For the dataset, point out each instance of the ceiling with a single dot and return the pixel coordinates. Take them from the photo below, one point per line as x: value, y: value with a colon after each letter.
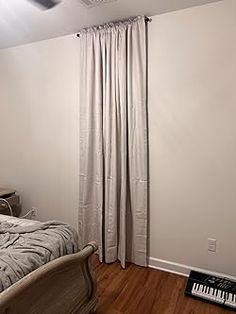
x: 22, y: 22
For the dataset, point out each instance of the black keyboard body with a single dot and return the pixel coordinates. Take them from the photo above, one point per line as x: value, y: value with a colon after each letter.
x: 214, y: 289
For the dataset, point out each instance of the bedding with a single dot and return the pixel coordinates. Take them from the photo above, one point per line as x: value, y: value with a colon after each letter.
x: 26, y: 245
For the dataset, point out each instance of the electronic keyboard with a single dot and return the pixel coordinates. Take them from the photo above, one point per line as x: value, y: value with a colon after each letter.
x: 210, y: 288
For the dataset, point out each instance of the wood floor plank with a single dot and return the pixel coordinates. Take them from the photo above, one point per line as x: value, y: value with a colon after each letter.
x: 139, y: 290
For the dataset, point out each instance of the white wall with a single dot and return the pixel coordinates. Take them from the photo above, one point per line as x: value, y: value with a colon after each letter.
x: 39, y: 125
x: 192, y: 69
x: 192, y: 105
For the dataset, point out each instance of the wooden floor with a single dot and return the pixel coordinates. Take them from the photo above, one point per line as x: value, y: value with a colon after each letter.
x: 144, y: 290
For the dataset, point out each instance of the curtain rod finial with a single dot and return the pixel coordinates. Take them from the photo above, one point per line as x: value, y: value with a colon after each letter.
x: 148, y: 19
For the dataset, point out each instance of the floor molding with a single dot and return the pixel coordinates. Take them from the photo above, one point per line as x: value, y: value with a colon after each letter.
x: 181, y: 269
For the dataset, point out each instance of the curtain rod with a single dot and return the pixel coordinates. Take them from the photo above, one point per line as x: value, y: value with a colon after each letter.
x: 147, y: 19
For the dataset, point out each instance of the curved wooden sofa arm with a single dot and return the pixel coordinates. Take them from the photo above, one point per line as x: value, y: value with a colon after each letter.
x: 63, y: 286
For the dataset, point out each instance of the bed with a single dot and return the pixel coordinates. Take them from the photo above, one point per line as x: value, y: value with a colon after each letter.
x: 42, y: 270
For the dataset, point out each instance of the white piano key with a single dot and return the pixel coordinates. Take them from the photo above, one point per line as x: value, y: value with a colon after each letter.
x: 201, y: 290
x: 211, y: 294
x: 231, y: 300
x: 194, y: 288
x: 219, y: 298
x: 230, y: 297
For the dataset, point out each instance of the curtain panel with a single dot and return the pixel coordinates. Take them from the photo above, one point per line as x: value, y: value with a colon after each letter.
x: 113, y: 141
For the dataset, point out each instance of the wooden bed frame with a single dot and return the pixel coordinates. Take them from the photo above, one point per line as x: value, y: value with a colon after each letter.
x: 63, y: 286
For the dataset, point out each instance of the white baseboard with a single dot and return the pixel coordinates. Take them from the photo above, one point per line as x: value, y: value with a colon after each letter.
x: 181, y: 269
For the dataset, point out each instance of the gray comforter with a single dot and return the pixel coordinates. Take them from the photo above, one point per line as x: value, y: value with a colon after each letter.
x: 23, y: 249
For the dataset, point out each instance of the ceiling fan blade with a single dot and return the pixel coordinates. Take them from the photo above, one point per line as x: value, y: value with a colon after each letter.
x: 46, y: 4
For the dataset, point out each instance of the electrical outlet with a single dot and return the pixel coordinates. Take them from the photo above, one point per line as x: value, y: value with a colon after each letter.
x: 211, y: 245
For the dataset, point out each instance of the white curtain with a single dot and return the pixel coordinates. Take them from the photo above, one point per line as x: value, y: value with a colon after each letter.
x: 113, y: 141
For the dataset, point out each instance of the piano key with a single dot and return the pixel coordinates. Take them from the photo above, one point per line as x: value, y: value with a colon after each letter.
x: 226, y: 295
x: 200, y: 288
x: 203, y: 288
x: 210, y: 294
x: 230, y: 297
x: 194, y: 288
x: 231, y: 302
x: 219, y: 298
